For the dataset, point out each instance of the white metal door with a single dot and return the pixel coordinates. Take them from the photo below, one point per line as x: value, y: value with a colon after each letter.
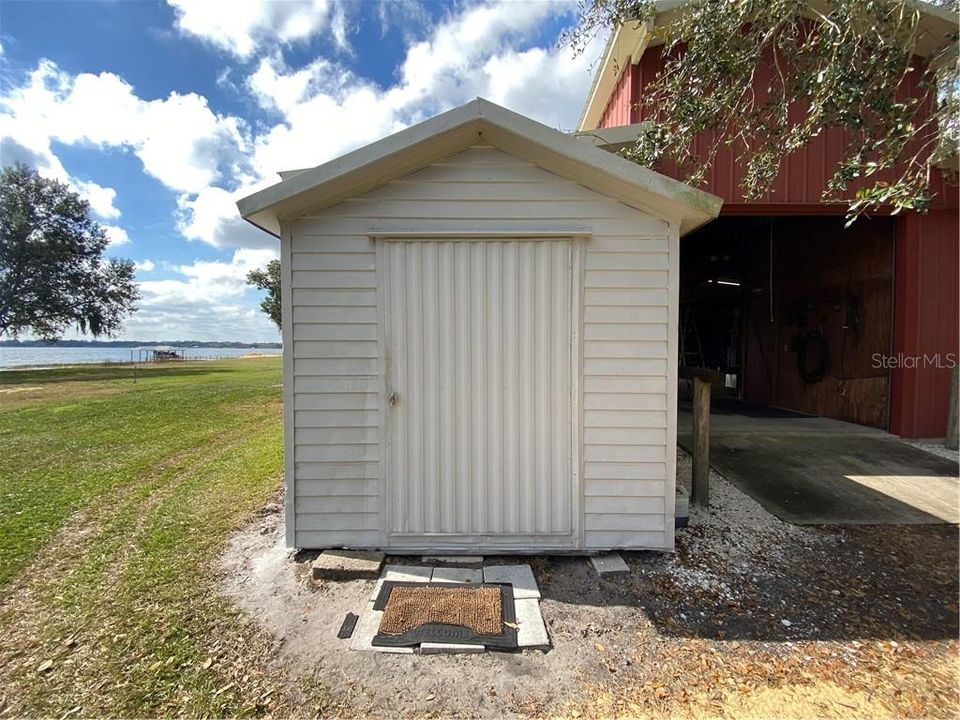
x: 478, y: 381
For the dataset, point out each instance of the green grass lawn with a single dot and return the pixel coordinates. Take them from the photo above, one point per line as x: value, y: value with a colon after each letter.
x: 117, y: 498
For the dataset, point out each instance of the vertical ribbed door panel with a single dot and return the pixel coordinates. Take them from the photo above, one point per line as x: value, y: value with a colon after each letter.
x: 478, y: 361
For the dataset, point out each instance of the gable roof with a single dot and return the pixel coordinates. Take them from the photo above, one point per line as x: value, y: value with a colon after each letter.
x: 444, y: 135
x: 937, y: 30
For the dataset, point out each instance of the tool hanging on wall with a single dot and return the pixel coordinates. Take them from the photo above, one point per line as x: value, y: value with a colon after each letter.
x: 806, y: 343
x: 689, y: 337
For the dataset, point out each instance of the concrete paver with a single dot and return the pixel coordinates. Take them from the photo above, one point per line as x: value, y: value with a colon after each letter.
x: 429, y: 648
x: 458, y: 560
x: 366, y: 630
x: 457, y: 575
x: 347, y: 565
x: 402, y: 573
x: 531, y: 633
x: 609, y: 564
x: 519, y: 576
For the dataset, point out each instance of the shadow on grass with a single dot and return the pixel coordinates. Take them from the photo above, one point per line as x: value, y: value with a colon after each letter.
x: 94, y: 373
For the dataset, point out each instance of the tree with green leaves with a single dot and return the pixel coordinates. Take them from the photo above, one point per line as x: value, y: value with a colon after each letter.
x: 53, y: 273
x: 268, y: 279
x: 844, y: 63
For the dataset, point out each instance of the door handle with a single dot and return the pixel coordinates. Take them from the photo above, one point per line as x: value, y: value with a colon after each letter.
x: 393, y: 399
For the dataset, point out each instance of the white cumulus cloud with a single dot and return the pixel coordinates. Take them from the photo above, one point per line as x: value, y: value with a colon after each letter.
x: 324, y: 108
x: 207, y: 281
x: 179, y: 139
x: 328, y: 110
x: 101, y: 198
x: 181, y: 320
x: 312, y: 113
x: 19, y: 142
x: 243, y: 27
x: 116, y: 235
x: 205, y: 300
x: 211, y: 216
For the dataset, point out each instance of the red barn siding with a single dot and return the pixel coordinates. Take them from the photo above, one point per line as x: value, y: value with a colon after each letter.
x: 621, y: 108
x: 925, y: 320
x: 803, y: 174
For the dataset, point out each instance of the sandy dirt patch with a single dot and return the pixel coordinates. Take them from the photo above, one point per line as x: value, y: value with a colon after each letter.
x: 275, y: 589
x: 748, y: 607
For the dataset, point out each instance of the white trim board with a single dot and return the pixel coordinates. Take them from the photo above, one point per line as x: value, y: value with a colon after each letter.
x: 414, y: 235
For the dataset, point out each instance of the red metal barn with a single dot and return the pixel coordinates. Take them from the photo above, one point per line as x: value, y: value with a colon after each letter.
x: 858, y: 324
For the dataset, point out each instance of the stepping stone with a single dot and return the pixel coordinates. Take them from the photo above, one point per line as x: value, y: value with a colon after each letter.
x: 402, y: 573
x: 609, y: 564
x: 459, y: 560
x: 407, y: 573
x: 347, y: 565
x: 430, y: 648
x: 366, y: 630
x: 519, y: 576
x: 457, y: 575
x: 531, y: 633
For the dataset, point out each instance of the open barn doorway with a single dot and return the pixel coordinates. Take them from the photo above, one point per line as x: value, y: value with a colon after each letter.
x: 795, y: 311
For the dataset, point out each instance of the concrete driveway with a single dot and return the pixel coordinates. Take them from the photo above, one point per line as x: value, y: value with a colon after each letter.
x: 817, y: 471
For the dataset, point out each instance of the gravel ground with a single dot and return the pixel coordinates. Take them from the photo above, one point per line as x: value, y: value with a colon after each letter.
x: 937, y: 448
x: 750, y: 617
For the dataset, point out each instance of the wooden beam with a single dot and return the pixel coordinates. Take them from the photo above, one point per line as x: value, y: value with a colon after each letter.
x: 708, y: 375
x: 700, y: 490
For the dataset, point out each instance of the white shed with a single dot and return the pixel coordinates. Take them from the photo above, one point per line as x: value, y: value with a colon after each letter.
x: 480, y: 341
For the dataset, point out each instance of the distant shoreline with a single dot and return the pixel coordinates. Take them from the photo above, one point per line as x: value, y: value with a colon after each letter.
x: 130, y: 365
x: 35, y: 358
x: 139, y: 343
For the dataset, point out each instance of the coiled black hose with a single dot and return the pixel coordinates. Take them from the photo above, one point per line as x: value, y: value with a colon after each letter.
x: 818, y: 373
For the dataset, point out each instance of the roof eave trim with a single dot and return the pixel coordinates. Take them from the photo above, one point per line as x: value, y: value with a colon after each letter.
x: 301, y: 182
x: 421, y: 144
x: 625, y: 45
x: 657, y: 189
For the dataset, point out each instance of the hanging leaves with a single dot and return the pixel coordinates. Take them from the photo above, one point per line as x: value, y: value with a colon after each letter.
x: 766, y: 78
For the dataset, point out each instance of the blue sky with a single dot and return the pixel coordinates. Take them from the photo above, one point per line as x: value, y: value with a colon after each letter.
x: 163, y: 113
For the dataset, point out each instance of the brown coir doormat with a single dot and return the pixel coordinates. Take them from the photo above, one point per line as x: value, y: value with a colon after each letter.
x: 414, y: 613
x: 475, y: 608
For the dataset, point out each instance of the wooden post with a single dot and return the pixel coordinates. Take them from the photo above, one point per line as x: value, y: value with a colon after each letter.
x: 953, y: 434
x: 700, y: 490
x: 702, y: 378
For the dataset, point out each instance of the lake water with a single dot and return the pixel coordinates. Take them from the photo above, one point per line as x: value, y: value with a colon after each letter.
x: 11, y: 357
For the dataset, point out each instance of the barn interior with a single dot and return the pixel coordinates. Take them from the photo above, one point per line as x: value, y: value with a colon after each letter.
x: 794, y: 310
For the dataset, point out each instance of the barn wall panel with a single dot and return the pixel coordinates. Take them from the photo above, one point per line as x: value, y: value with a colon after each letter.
x: 803, y: 174
x: 926, y: 322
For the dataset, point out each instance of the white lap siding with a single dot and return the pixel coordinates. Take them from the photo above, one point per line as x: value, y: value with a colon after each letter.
x: 336, y: 391
x: 624, y: 435
x: 627, y: 409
